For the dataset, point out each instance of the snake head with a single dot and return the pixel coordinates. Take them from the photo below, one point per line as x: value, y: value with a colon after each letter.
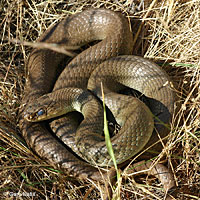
x: 45, y: 107
x: 54, y: 104
x: 37, y: 110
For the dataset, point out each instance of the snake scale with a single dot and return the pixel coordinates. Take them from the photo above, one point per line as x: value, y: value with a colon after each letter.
x: 108, y: 62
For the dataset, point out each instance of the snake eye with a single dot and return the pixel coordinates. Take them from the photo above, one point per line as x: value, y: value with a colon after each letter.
x: 40, y: 112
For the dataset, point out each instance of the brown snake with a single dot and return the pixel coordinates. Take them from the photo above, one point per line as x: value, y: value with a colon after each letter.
x: 117, y: 72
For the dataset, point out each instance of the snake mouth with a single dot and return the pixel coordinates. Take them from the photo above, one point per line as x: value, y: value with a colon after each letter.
x: 35, y: 116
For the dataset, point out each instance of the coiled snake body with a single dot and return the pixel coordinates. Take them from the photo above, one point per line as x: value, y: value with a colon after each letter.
x: 100, y: 63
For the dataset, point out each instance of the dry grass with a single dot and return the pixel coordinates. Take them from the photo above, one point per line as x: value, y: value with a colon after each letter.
x: 170, y: 36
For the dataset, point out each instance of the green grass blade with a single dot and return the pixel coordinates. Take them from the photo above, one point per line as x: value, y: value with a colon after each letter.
x: 107, y: 137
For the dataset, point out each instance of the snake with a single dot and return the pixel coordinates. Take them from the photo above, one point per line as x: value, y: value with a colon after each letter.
x: 67, y: 93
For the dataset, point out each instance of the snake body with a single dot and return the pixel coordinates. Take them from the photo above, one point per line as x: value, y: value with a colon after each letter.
x: 100, y: 63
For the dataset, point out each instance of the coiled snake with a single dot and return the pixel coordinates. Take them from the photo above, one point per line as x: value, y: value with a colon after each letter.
x: 108, y: 62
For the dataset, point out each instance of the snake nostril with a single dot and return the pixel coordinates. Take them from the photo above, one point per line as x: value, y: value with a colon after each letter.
x: 28, y: 117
